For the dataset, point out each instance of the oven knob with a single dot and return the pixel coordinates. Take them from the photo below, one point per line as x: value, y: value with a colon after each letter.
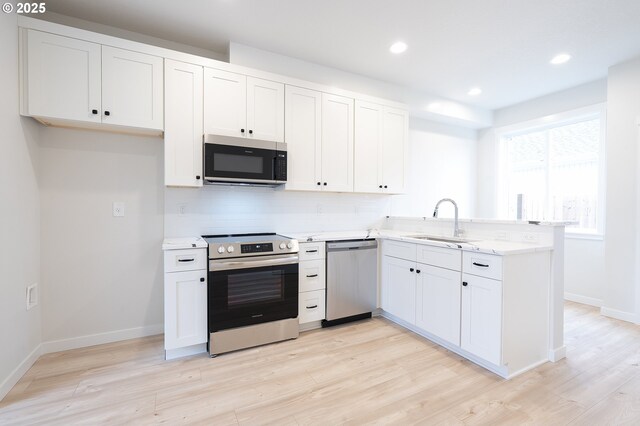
x: 220, y: 249
x: 289, y: 245
x: 283, y: 246
x: 230, y: 249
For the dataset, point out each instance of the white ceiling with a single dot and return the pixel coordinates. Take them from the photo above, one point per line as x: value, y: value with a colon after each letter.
x: 502, y: 46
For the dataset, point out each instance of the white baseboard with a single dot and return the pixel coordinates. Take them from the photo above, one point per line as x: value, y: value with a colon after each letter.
x: 100, y: 338
x: 585, y: 300
x: 19, y: 371
x: 170, y: 354
x: 557, y: 354
x: 621, y: 315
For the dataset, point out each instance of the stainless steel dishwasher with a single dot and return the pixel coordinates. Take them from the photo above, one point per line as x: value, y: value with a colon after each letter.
x: 352, y: 280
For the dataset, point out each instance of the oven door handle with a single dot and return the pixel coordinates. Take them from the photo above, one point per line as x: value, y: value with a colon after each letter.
x: 226, y: 265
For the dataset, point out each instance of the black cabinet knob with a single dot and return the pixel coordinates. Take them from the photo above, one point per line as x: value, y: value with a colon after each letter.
x: 418, y: 271
x: 241, y: 130
x: 197, y: 177
x: 464, y: 283
x: 94, y: 111
x: 385, y: 187
x: 250, y: 131
x: 319, y: 183
x: 107, y: 113
x: 325, y: 184
x: 201, y: 280
x: 410, y: 269
x: 380, y: 187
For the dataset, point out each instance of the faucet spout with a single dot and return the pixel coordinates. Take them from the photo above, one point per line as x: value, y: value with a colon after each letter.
x: 456, y: 228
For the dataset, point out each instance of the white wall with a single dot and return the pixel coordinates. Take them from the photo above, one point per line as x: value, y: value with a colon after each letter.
x: 100, y: 274
x: 585, y: 279
x: 433, y: 149
x: 622, y: 227
x: 19, y: 217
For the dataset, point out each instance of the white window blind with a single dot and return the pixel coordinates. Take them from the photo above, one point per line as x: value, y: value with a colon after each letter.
x: 553, y: 173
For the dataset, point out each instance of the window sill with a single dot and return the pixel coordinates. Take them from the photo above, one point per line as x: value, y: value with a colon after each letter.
x: 580, y: 236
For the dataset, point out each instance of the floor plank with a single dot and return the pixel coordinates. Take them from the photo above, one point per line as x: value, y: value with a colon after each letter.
x: 370, y: 372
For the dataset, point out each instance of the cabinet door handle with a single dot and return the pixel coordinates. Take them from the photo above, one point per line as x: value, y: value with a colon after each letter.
x: 312, y: 276
x: 312, y: 307
x: 94, y: 111
x: 201, y: 280
x: 311, y: 251
x: 380, y: 186
x: 480, y: 265
x: 319, y: 183
x: 410, y: 269
x: 250, y: 131
x: 107, y: 113
x: 464, y: 283
x: 186, y: 260
x: 418, y: 271
x: 325, y: 184
x: 197, y: 177
x: 385, y: 187
x: 241, y: 130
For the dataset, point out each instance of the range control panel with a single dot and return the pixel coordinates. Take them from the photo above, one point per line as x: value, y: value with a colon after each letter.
x: 256, y: 248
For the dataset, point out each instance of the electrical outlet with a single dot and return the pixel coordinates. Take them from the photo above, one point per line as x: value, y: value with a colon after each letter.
x: 182, y: 210
x: 32, y: 296
x: 118, y: 209
x: 530, y: 237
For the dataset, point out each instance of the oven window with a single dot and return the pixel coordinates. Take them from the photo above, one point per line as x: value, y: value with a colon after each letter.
x: 250, y: 288
x: 238, y: 163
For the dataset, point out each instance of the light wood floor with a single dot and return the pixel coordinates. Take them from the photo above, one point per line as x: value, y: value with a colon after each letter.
x: 367, y: 372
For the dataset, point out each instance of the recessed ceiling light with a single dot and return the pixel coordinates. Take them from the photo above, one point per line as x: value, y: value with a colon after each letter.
x: 398, y: 47
x: 474, y: 91
x: 560, y: 59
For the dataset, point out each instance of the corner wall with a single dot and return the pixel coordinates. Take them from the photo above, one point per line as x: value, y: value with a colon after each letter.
x: 20, y: 330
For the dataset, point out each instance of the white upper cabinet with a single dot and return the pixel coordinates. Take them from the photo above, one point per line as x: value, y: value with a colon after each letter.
x: 303, y: 132
x: 395, y: 136
x: 380, y: 148
x: 132, y: 89
x: 183, y: 124
x: 337, y: 143
x: 368, y: 147
x: 265, y: 109
x: 68, y: 81
x: 237, y: 105
x: 62, y: 77
x: 225, y: 103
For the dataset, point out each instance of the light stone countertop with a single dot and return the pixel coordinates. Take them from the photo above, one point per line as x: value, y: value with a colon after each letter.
x: 183, y: 243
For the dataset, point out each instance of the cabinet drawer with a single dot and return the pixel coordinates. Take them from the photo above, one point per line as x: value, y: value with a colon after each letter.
x: 311, y: 306
x: 399, y: 249
x: 483, y: 265
x: 185, y: 260
x: 311, y: 251
x: 439, y: 256
x: 312, y: 275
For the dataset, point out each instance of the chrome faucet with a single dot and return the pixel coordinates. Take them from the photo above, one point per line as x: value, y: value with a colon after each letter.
x: 456, y: 228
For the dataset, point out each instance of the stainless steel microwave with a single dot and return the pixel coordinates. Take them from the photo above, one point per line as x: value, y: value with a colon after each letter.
x: 242, y: 161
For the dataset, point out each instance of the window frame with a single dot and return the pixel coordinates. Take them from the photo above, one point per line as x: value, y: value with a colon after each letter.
x: 545, y: 123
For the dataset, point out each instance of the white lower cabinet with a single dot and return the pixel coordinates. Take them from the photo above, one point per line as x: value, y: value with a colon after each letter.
x: 438, y: 302
x: 399, y: 288
x: 482, y: 317
x: 185, y: 303
x: 312, y: 283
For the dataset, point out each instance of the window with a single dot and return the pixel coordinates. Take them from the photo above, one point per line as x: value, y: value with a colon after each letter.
x: 552, y: 170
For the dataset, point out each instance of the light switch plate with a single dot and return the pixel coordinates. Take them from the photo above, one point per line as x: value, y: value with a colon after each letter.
x: 118, y: 209
x: 32, y: 296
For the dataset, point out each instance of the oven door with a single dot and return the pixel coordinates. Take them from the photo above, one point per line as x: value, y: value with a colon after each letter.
x: 243, y: 292
x: 238, y: 160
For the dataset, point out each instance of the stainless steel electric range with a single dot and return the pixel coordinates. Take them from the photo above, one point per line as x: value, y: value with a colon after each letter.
x: 252, y: 290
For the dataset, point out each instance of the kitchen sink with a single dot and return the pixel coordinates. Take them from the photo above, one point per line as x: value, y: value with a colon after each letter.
x: 440, y: 239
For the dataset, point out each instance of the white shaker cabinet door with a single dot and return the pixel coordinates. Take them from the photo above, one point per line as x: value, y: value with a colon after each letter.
x: 132, y: 89
x: 183, y: 124
x: 367, y: 174
x: 395, y: 130
x: 265, y: 109
x: 399, y: 288
x: 225, y: 103
x: 303, y: 133
x: 185, y: 309
x: 337, y: 143
x: 438, y: 302
x: 481, y: 331
x: 63, y: 78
